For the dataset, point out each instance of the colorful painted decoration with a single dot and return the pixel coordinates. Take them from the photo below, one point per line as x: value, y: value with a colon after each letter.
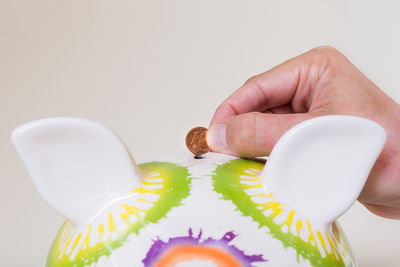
x: 239, y: 181
x: 217, y: 210
x: 189, y: 248
x: 164, y: 185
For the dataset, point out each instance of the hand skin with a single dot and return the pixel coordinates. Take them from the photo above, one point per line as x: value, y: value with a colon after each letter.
x: 319, y: 82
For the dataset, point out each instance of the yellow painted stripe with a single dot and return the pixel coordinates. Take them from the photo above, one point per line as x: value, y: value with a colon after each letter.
x: 321, y: 239
x: 311, y: 237
x: 86, y: 241
x: 333, y: 248
x: 75, y: 243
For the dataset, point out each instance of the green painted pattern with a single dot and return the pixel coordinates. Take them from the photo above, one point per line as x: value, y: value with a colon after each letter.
x: 176, y: 187
x: 227, y: 182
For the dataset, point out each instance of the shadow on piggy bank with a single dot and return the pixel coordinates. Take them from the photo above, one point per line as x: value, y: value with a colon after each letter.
x: 215, y: 211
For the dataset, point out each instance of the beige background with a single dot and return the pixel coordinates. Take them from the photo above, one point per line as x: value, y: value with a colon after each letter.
x: 150, y: 70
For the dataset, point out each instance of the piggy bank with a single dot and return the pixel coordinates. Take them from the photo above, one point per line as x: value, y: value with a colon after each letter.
x: 214, y: 210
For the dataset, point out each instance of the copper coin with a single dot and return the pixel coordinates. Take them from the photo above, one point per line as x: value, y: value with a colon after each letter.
x: 196, y: 141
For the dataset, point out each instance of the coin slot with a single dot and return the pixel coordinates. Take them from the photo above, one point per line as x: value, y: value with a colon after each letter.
x: 259, y: 159
x: 199, y: 156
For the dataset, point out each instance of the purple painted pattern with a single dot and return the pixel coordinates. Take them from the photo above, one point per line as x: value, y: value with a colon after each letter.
x: 159, y: 247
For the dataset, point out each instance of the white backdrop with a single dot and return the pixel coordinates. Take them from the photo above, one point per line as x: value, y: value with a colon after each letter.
x: 151, y: 70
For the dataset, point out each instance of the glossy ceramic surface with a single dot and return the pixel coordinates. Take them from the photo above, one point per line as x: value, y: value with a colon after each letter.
x: 215, y: 211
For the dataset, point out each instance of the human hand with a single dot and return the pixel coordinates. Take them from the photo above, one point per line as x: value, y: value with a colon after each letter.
x: 319, y: 82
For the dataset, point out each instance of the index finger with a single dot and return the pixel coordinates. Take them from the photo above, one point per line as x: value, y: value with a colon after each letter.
x: 270, y: 89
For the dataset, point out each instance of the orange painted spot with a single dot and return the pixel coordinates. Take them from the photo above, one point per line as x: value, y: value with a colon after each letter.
x: 184, y: 253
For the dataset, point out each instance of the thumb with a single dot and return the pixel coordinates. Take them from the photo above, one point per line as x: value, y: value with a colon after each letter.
x: 251, y: 134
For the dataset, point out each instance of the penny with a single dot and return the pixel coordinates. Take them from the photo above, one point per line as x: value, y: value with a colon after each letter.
x: 196, y: 141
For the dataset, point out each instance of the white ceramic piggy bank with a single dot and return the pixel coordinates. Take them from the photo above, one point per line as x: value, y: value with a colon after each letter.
x: 215, y: 211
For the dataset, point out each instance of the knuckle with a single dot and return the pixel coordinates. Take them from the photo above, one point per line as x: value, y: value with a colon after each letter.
x: 323, y: 62
x: 325, y: 52
x: 251, y: 80
x: 325, y: 48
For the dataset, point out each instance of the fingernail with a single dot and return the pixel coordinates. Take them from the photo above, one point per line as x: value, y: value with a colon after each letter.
x: 216, y: 138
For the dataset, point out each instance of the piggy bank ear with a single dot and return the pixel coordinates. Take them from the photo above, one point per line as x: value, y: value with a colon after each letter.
x: 320, y: 166
x: 78, y: 166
